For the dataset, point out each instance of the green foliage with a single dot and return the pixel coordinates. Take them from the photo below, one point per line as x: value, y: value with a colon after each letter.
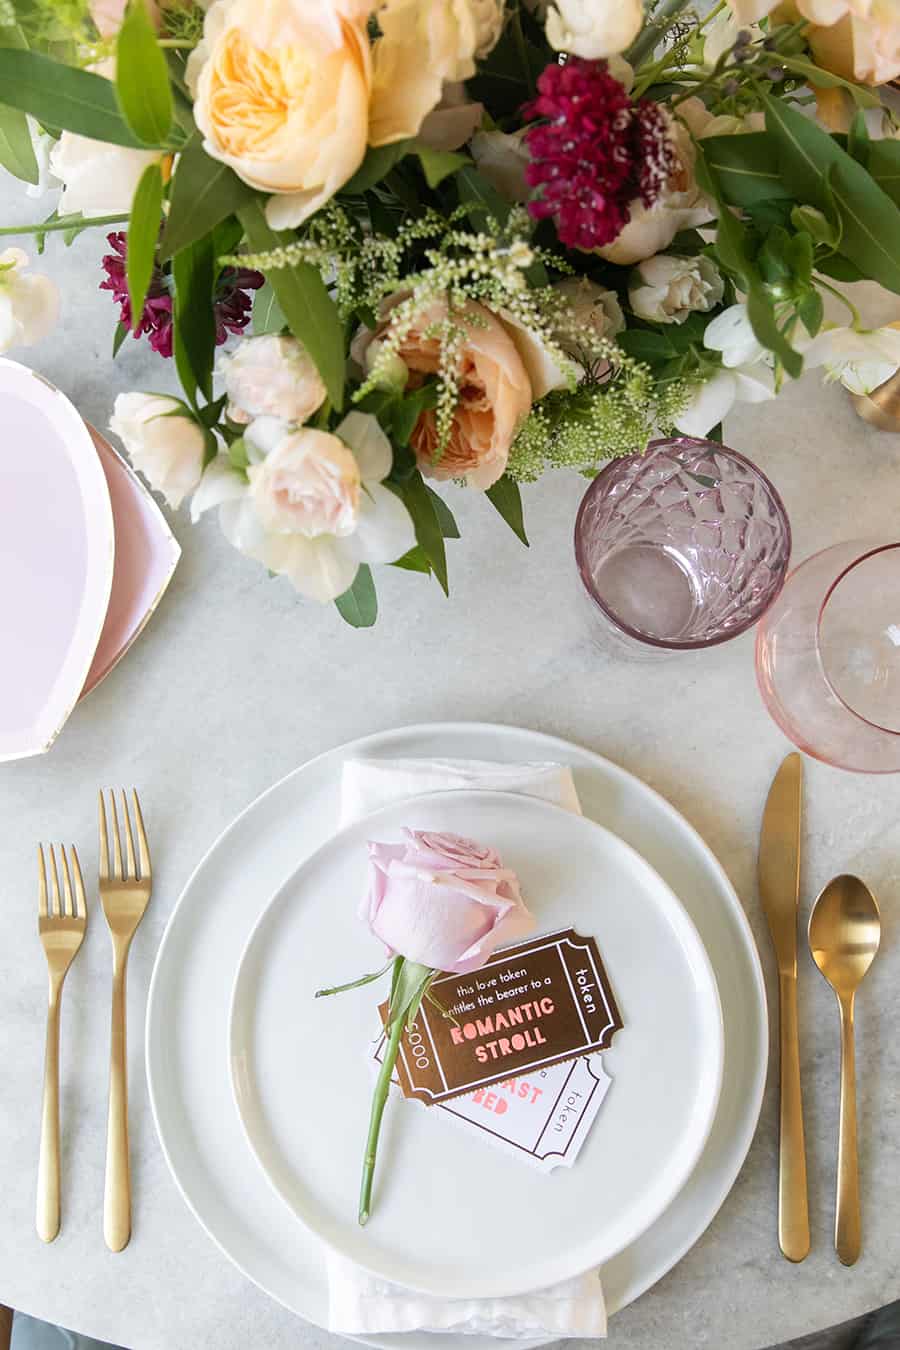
x: 16, y: 151
x: 203, y: 194
x: 194, y: 322
x: 143, y: 233
x: 420, y: 502
x: 305, y: 302
x: 61, y: 96
x: 142, y: 77
x: 506, y: 498
x: 267, y: 313
x: 358, y: 606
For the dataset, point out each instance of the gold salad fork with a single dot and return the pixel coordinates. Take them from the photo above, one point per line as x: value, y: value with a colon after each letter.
x: 61, y: 927
x: 124, y: 893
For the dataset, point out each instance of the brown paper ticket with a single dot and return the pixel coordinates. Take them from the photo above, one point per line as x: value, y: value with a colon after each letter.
x: 535, y: 1004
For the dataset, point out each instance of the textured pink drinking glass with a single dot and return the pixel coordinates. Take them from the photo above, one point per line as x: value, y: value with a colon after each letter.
x: 828, y: 656
x: 682, y: 547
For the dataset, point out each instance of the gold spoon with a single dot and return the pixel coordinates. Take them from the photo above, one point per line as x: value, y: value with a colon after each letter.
x: 844, y: 933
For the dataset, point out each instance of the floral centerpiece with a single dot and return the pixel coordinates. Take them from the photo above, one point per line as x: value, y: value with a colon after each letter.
x: 462, y: 240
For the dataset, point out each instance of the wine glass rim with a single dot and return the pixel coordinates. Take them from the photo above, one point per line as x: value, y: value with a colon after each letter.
x: 869, y: 551
x: 693, y: 644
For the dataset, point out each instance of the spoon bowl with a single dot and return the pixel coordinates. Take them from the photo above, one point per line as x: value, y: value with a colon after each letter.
x: 844, y: 936
x: 845, y: 933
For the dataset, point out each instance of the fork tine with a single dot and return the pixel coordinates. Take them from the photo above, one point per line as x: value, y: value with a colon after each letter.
x: 42, y: 884
x: 80, y: 902
x: 104, y: 842
x: 117, y: 841
x: 129, y: 841
x: 143, y: 846
x: 55, y: 909
x: 68, y: 903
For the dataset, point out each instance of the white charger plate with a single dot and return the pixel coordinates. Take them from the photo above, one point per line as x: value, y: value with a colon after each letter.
x: 187, y: 1018
x: 57, y: 552
x: 303, y: 1082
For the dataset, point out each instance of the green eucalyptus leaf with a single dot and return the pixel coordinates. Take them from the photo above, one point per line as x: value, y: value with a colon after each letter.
x: 643, y: 344
x: 814, y: 223
x: 858, y: 139
x: 16, y: 150
x: 267, y: 313
x: 119, y: 337
x: 484, y: 199
x: 203, y: 194
x: 413, y: 561
x: 773, y: 259
x: 800, y: 257
x: 884, y: 166
x: 143, y: 235
x: 506, y: 498
x: 824, y: 175
x: 308, y: 308
x: 406, y: 411
x: 429, y: 535
x: 863, y: 96
x: 358, y: 606
x: 811, y: 311
x: 63, y: 96
x: 446, y: 518
x: 194, y: 321
x: 761, y: 313
x: 142, y: 77
x: 746, y: 167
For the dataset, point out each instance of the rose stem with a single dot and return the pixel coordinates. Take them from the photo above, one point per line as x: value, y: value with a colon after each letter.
x: 379, y: 1098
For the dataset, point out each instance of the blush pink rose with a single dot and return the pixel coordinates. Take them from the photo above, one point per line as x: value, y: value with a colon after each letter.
x: 443, y: 901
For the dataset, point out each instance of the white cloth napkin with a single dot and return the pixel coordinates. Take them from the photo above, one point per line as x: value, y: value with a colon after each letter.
x: 361, y: 1304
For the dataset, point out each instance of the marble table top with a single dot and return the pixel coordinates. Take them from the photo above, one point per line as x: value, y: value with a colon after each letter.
x: 235, y: 682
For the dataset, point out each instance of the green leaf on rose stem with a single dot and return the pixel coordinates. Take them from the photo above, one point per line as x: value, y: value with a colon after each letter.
x: 811, y: 311
x: 884, y: 166
x: 142, y: 76
x: 406, y: 411
x: 824, y: 175
x: 308, y: 308
x: 267, y: 314
x: 119, y: 337
x: 481, y: 196
x: 746, y: 167
x: 193, y: 318
x: 407, y: 990
x: 429, y: 535
x: 378, y: 162
x: 358, y: 606
x: 446, y: 518
x: 203, y: 194
x: 715, y: 434
x: 645, y: 345
x: 143, y: 235
x: 863, y: 96
x: 858, y: 139
x: 413, y: 561
x: 16, y: 150
x: 63, y: 96
x: 506, y: 498
x: 439, y: 164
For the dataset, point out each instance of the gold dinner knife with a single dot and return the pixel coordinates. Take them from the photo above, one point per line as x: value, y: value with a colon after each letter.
x: 779, y: 888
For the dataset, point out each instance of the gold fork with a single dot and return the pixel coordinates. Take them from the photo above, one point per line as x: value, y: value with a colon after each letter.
x: 124, y: 893
x: 61, y: 927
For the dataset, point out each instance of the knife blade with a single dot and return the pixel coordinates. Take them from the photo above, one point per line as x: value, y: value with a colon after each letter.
x: 779, y: 889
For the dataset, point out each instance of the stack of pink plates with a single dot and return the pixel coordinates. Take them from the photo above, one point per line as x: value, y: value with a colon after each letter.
x: 86, y: 555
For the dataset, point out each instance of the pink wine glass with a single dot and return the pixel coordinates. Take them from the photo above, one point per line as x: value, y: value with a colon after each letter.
x: 682, y: 547
x: 828, y: 656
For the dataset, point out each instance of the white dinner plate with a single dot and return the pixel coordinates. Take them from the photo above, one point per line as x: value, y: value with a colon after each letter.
x: 189, y: 1004
x: 303, y: 1083
x: 57, y: 551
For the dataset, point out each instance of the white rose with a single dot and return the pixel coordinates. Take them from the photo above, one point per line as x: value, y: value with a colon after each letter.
x: 97, y: 178
x: 502, y: 160
x: 731, y: 334
x: 860, y: 360
x: 666, y: 289
x: 165, y: 444
x: 596, y: 314
x: 593, y: 28
x: 312, y: 505
x: 714, y: 399
x: 271, y: 376
x: 29, y: 304
x: 680, y: 206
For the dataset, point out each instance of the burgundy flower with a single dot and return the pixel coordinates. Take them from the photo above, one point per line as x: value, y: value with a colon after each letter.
x: 232, y: 304
x: 594, y: 154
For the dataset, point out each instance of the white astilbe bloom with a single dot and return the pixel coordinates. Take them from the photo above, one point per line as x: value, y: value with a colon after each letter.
x: 312, y: 505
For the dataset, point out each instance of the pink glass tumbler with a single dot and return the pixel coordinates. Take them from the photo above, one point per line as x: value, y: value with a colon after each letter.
x: 682, y: 547
x: 828, y: 656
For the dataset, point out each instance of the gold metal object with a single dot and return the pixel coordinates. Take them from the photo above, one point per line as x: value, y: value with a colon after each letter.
x: 881, y: 408
x: 124, y: 893
x: 779, y: 888
x: 844, y: 936
x: 61, y: 927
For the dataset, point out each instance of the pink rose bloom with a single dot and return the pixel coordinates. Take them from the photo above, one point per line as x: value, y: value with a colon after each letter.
x: 443, y: 901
